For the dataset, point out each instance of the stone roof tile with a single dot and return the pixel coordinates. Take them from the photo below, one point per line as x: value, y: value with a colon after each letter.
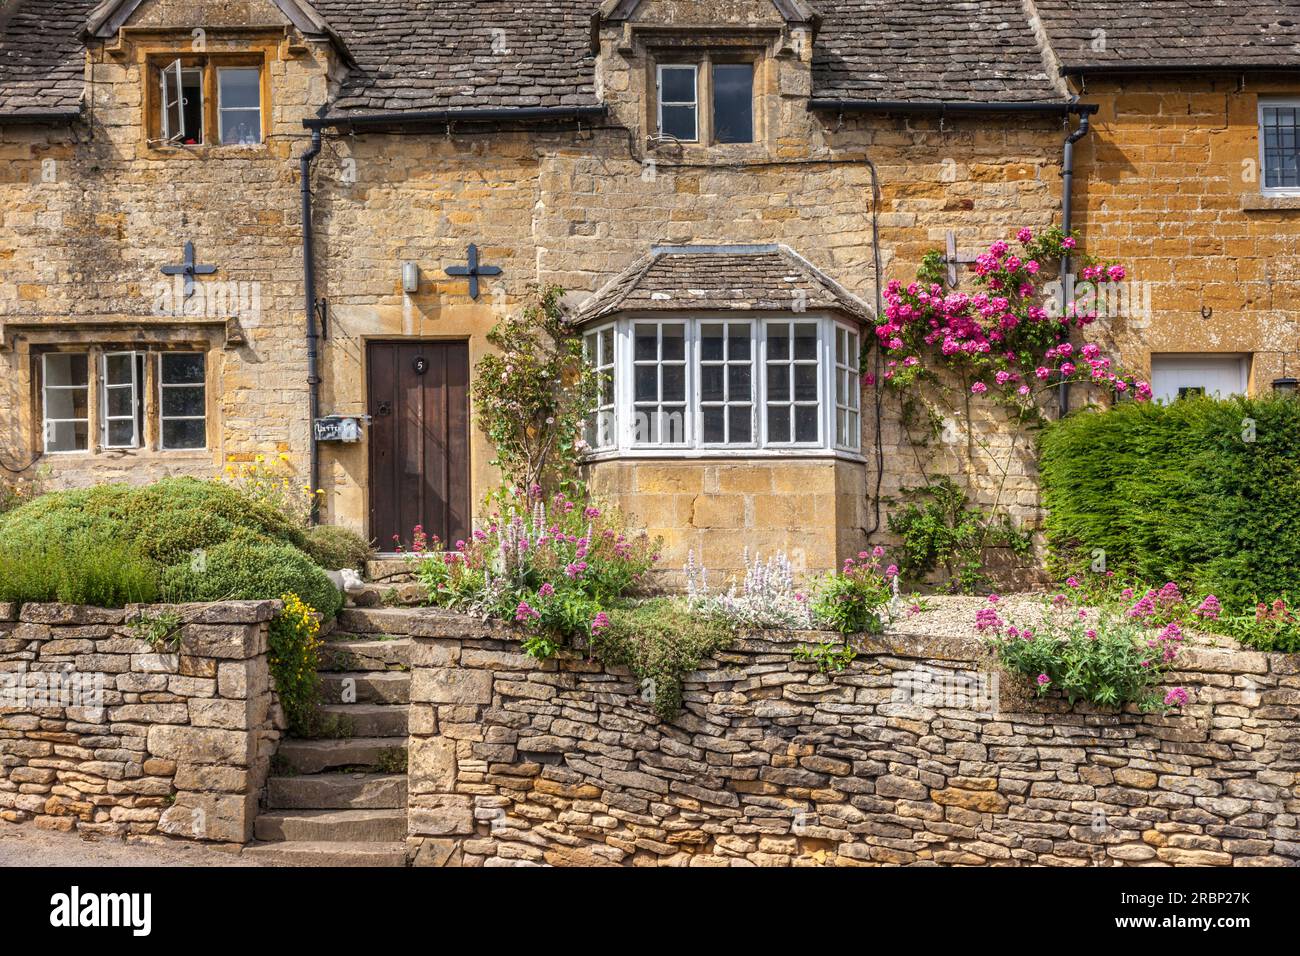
x: 42, y: 60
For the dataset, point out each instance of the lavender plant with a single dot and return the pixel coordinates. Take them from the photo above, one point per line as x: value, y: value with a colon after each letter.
x: 766, y: 598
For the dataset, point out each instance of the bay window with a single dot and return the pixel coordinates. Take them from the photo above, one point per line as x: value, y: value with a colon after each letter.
x: 728, y: 385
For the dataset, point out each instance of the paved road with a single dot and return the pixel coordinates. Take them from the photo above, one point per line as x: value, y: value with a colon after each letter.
x: 27, y: 846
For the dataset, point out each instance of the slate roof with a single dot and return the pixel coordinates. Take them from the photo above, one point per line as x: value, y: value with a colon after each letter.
x: 42, y: 61
x: 452, y: 54
x: 723, y: 278
x: 1232, y: 34
x: 929, y: 50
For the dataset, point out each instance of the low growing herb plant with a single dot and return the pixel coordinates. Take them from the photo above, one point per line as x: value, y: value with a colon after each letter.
x: 827, y: 656
x: 767, y: 598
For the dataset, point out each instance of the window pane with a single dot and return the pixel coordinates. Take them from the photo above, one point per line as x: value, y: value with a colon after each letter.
x: 182, y: 368
x: 805, y: 423
x: 778, y: 341
x: 121, y: 433
x: 733, y: 102
x: 66, y: 403
x: 679, y: 122
x: 778, y: 383
x: 674, y: 383
x: 646, y: 382
x: 739, y: 383
x: 241, y: 127
x: 240, y: 87
x: 607, y: 348
x: 647, y: 343
x: 805, y: 383
x: 677, y: 84
x: 711, y: 383
x: 67, y: 436
x: 66, y: 370
x: 182, y: 401
x: 121, y: 402
x: 186, y: 433
x: 711, y: 343
x: 742, y: 417
x: 778, y: 423
x: 805, y: 341
x: 674, y: 343
x: 672, y: 424
x: 738, y: 347
x: 714, y: 423
x: 192, y: 105
x: 607, y: 389
x: 117, y: 369
x: 646, y: 423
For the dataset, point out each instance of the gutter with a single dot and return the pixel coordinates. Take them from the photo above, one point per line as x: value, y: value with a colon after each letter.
x: 471, y: 115
x: 1116, y: 69
x: 942, y: 108
x: 309, y: 294
x: 40, y: 117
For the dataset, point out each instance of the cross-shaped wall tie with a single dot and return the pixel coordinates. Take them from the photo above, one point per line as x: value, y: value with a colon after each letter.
x: 473, y: 271
x: 189, y: 269
x: 955, y: 259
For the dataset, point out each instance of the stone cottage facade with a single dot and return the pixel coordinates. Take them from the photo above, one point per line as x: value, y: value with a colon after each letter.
x: 224, y: 220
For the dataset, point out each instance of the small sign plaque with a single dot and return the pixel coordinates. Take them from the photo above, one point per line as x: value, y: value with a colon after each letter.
x: 338, y: 428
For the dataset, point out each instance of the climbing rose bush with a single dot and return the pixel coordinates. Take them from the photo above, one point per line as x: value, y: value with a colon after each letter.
x: 1010, y: 337
x: 551, y: 565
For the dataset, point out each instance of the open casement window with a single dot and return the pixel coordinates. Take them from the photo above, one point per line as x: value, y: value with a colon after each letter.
x: 121, y: 401
x: 725, y: 385
x: 65, y: 394
x: 602, y: 423
x: 182, y: 400
x: 209, y: 101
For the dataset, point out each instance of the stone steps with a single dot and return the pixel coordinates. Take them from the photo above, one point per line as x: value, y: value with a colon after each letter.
x: 347, y: 652
x: 367, y: 720
x: 337, y: 791
x: 333, y: 826
x: 368, y: 687
x: 316, y: 756
x: 314, y: 853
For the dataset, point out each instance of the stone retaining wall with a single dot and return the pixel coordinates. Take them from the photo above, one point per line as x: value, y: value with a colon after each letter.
x: 773, y: 763
x: 102, y: 732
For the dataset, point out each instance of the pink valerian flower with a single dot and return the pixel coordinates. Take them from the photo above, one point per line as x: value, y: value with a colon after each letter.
x: 986, y: 618
x: 1209, y: 609
x: 1073, y: 582
x: 876, y: 552
x: 994, y: 598
x: 1090, y: 634
x: 891, y: 571
x: 599, y: 622
x: 575, y: 569
x: 1177, y: 697
x: 1043, y: 680
x: 546, y: 590
x: 1146, y: 607
x: 525, y: 613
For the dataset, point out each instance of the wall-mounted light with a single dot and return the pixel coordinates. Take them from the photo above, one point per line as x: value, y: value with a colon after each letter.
x: 1285, y: 385
x: 410, y: 277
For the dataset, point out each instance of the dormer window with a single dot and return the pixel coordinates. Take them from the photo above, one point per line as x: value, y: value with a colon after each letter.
x: 710, y: 101
x: 201, y: 100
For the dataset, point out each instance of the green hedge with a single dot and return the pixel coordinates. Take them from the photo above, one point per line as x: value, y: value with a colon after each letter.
x: 247, y: 569
x: 1202, y: 492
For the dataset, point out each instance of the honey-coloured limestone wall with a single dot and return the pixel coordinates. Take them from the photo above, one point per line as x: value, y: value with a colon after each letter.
x: 104, y: 733
x: 515, y: 762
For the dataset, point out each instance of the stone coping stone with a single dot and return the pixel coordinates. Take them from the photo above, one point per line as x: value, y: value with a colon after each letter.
x: 220, y: 612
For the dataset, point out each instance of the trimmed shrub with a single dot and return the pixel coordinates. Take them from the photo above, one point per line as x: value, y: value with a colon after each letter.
x: 335, y: 548
x: 250, y: 569
x: 78, y: 572
x: 163, y: 522
x: 1199, y: 491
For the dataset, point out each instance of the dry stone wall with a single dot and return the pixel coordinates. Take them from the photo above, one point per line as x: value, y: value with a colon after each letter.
x: 104, y: 733
x: 904, y: 758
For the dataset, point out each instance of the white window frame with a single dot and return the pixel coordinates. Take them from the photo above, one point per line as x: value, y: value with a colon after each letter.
x: 686, y: 362
x: 848, y: 378
x: 46, y: 388
x: 793, y: 404
x: 1264, y: 103
x: 725, y: 364
x: 137, y: 393
x: 179, y: 102
x: 222, y: 110
x: 626, y: 443
x: 1189, y: 365
x: 593, y: 341
x: 694, y: 104
x: 163, y: 417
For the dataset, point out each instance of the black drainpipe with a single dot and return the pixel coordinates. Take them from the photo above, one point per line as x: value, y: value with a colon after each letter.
x: 309, y: 292
x: 1067, y: 190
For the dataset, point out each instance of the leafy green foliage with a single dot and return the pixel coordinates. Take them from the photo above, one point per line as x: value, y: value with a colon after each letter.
x: 163, y: 522
x: 1200, y: 491
x: 251, y: 569
x: 294, y: 656
x: 1270, y: 627
x: 855, y: 600
x: 939, y: 529
x: 162, y: 630
x: 533, y: 394
x: 827, y: 656
x: 335, y: 548
x: 76, y: 570
x: 660, y: 640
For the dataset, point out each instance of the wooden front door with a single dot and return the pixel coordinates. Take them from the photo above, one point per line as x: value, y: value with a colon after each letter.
x: 419, y: 441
